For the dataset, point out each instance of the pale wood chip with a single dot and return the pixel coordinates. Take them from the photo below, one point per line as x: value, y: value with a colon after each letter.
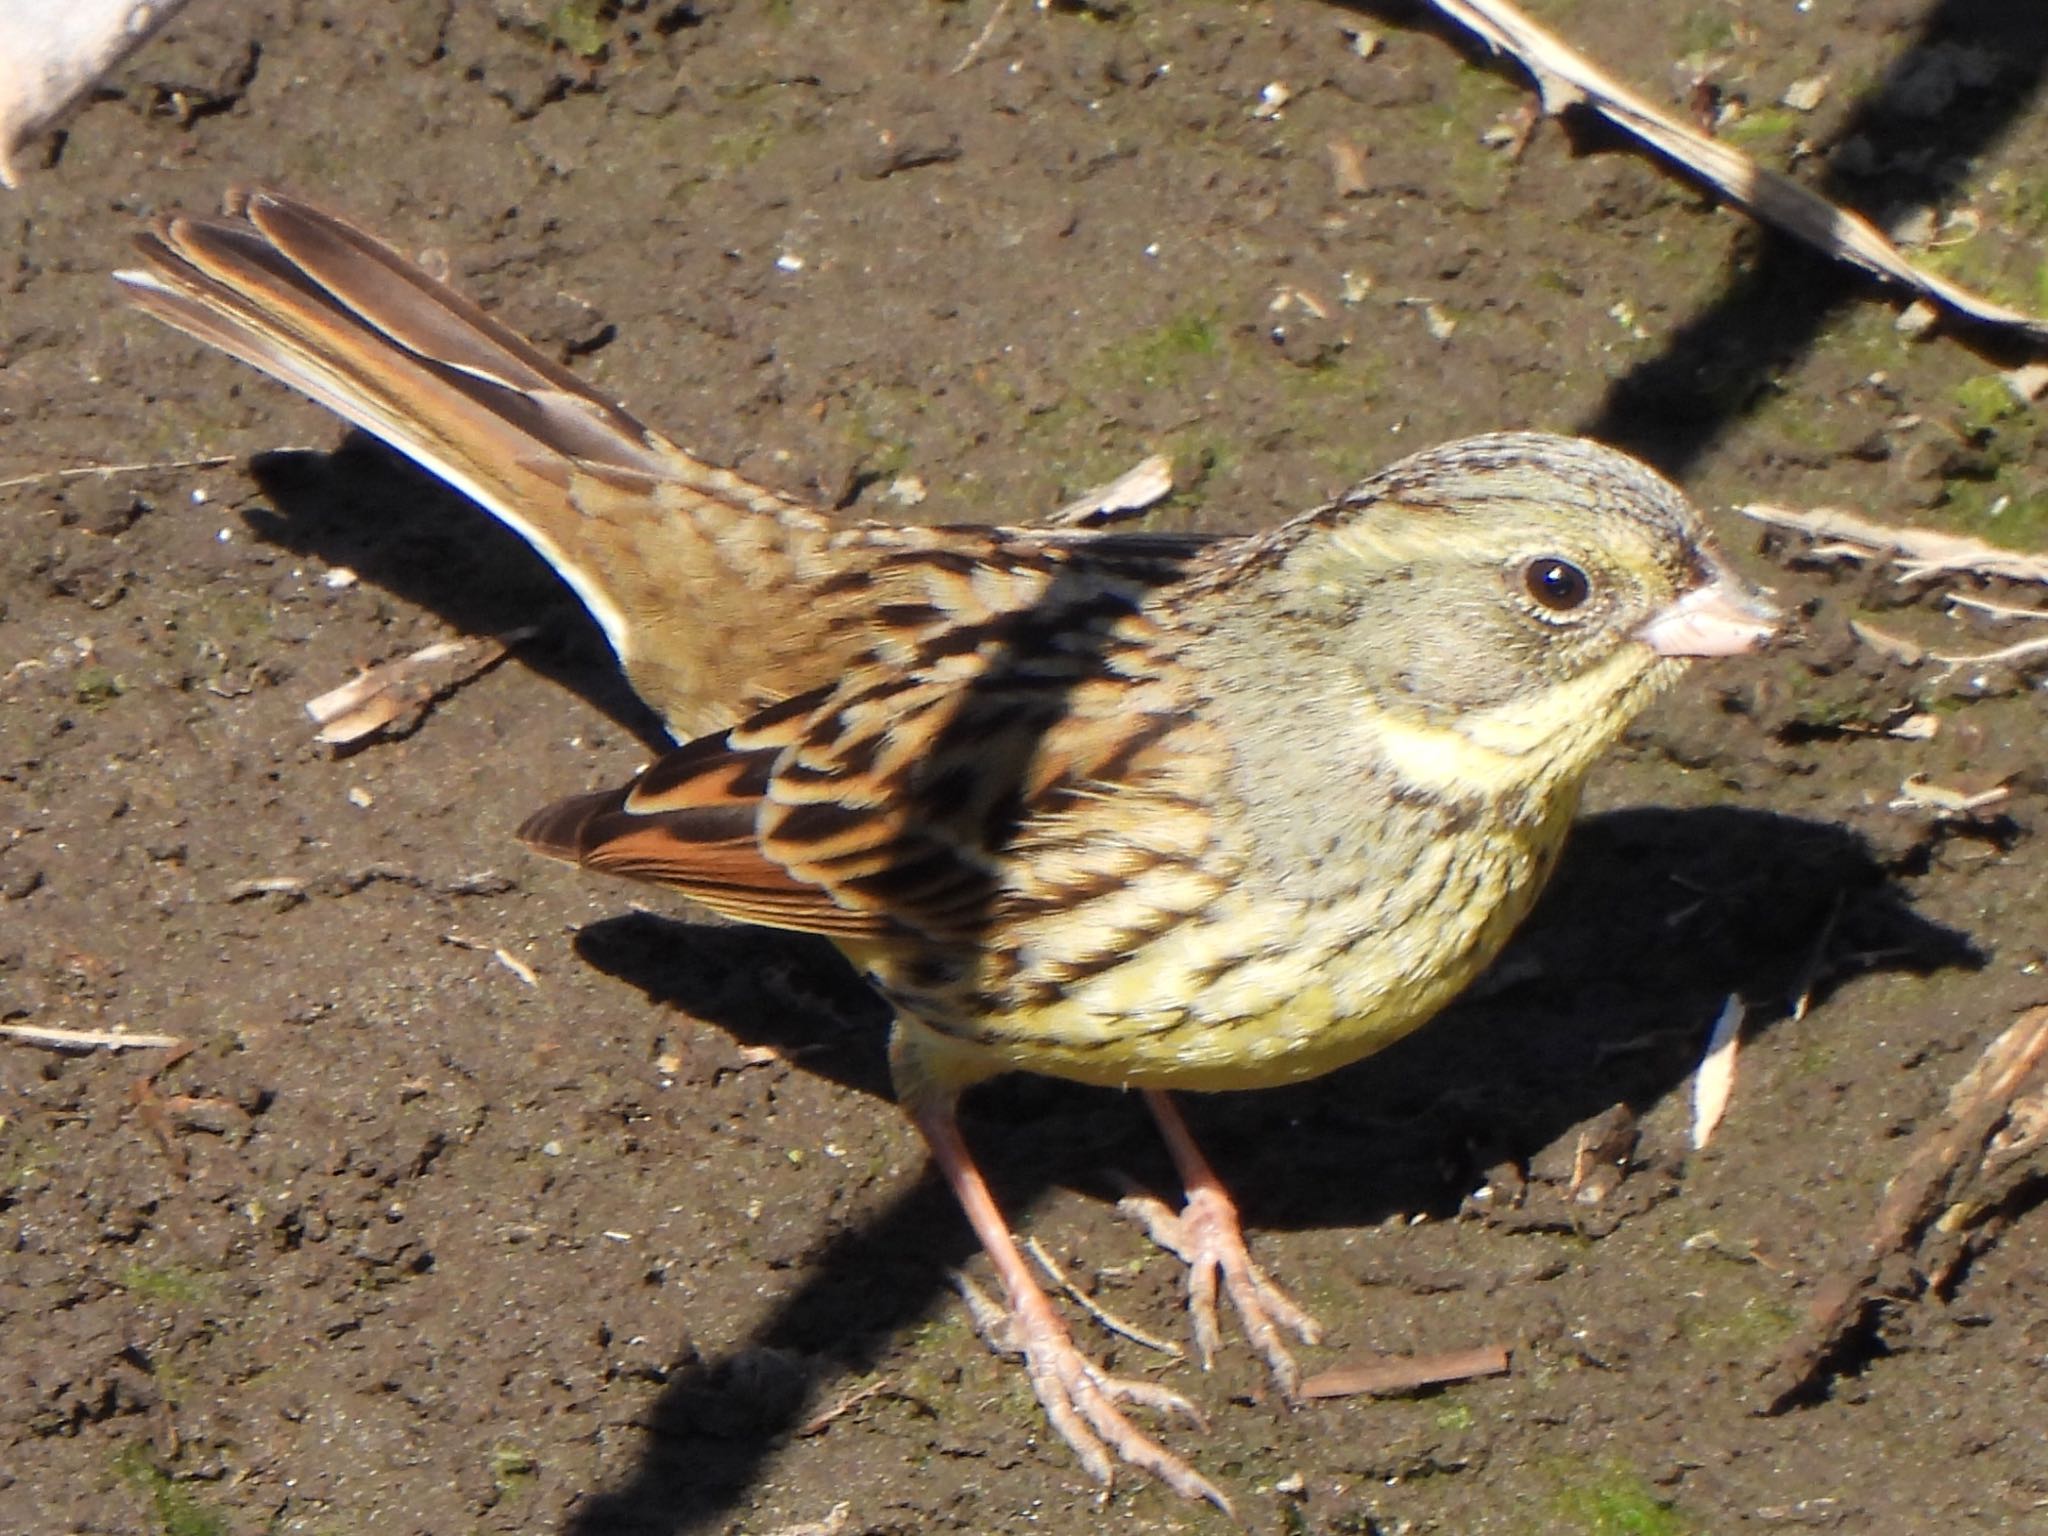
x: 1714, y: 1083
x: 269, y: 885
x: 2028, y: 382
x: 834, y: 1523
x: 1917, y: 319
x: 1804, y: 95
x: 399, y: 692
x: 1148, y: 481
x: 1382, y: 1375
x: 1919, y: 793
x: 1893, y: 647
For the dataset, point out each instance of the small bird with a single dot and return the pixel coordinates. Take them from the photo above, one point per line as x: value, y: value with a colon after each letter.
x: 1145, y: 811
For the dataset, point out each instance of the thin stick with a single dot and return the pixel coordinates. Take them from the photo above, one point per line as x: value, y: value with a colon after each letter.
x: 843, y: 1407
x: 1809, y: 973
x: 87, y: 1039
x: 1917, y: 551
x: 1094, y: 1308
x: 2005, y: 654
x: 988, y: 31
x: 214, y: 461
x: 1955, y: 1162
x: 1385, y: 1374
x: 1996, y: 610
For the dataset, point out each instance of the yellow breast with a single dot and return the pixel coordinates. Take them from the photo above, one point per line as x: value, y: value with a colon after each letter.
x: 1260, y: 990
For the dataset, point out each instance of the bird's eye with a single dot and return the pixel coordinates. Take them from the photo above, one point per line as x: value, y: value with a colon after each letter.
x: 1557, y: 584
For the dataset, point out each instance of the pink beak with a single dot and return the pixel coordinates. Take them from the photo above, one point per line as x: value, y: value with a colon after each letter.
x: 1723, y: 618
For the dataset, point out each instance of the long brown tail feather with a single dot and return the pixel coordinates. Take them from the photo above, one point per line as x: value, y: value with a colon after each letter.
x: 636, y: 525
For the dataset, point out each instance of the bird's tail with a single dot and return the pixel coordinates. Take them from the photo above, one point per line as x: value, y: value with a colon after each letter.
x: 656, y: 542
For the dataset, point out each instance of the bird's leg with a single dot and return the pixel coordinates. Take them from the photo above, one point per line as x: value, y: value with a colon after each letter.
x: 1079, y: 1397
x: 1208, y: 1236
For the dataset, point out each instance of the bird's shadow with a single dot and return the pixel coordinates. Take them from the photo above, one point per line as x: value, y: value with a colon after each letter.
x: 1655, y: 917
x: 405, y: 533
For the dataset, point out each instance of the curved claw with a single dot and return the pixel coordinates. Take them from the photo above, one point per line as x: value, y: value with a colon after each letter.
x: 1080, y: 1398
x: 1207, y: 1236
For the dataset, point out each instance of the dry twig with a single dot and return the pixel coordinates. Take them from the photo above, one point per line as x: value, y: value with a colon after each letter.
x: 1949, y: 1200
x: 108, y: 471
x: 823, y: 1420
x: 1918, y: 552
x: 1996, y: 610
x: 981, y: 41
x: 58, y: 1039
x: 1094, y: 1308
x: 1383, y: 1375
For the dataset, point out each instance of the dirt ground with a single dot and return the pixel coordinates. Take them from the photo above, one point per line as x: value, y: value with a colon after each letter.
x: 414, y: 1242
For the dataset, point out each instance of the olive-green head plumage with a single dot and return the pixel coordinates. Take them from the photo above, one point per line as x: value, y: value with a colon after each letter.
x: 1518, y: 590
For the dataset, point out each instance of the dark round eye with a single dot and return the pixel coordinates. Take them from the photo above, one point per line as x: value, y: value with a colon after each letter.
x: 1557, y: 584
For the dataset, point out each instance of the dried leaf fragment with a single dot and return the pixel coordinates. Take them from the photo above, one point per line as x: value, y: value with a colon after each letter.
x: 1149, y: 480
x: 399, y: 692
x: 1919, y: 793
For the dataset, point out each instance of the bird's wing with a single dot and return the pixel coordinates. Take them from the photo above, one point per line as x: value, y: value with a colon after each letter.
x: 1003, y: 768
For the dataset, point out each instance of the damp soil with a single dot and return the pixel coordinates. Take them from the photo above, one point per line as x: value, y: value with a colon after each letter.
x: 493, y: 1197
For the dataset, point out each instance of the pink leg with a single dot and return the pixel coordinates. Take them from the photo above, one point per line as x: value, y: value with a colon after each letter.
x: 1207, y: 1234
x: 1079, y: 1397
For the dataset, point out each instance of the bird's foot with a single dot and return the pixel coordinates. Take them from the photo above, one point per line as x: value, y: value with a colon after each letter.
x: 1208, y: 1237
x: 1081, y: 1398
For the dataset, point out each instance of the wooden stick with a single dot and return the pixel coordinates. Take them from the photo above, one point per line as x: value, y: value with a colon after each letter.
x: 87, y: 1039
x: 1382, y: 1375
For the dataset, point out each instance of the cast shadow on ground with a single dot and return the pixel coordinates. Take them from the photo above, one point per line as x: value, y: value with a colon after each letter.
x: 1655, y: 917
